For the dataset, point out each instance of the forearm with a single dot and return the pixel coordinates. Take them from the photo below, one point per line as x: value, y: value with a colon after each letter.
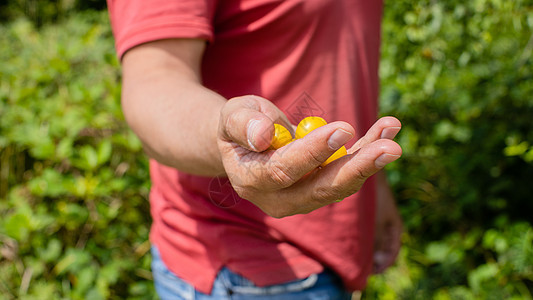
x: 175, y: 117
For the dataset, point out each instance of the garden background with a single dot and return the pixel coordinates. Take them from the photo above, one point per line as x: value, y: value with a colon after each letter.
x: 74, y: 183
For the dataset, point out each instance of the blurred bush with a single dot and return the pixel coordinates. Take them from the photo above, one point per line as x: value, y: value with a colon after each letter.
x: 459, y: 75
x: 73, y: 180
x: 41, y: 12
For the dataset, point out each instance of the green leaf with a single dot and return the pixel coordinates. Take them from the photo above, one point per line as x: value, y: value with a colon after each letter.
x: 494, y: 240
x: 52, y: 251
x: 17, y: 226
x: 50, y: 183
x: 74, y: 260
x: 65, y: 149
x: 104, y: 151
x: 44, y: 149
x: 437, y: 251
x: 59, y: 65
x: 88, y: 158
x: 86, y: 278
x: 516, y: 150
x: 481, y: 275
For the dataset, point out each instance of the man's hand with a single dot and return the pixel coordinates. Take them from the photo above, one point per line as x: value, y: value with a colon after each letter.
x: 287, y: 181
x: 179, y: 121
x: 389, y: 226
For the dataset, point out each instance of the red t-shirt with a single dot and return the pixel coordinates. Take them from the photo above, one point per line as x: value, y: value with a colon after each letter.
x: 309, y: 57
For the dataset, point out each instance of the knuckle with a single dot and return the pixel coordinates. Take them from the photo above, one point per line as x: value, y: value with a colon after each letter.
x: 361, y: 173
x: 325, y: 194
x: 279, y: 176
x: 322, y: 194
x: 314, y: 156
x: 228, y: 123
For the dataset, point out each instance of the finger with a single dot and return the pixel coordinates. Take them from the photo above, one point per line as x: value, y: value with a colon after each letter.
x: 249, y: 122
x: 341, y: 178
x: 272, y: 111
x: 291, y: 162
x: 346, y: 175
x: 277, y: 115
x: 384, y: 128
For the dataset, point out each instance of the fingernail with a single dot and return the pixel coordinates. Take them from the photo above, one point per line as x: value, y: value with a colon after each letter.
x: 250, y: 133
x: 339, y: 138
x: 390, y: 132
x: 385, y: 159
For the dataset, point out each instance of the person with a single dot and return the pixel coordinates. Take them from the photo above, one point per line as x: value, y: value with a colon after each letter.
x: 204, y: 81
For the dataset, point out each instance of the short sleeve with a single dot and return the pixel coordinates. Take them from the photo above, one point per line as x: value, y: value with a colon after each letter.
x: 139, y: 21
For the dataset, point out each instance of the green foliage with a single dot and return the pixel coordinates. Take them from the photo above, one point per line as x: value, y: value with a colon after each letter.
x: 43, y: 12
x: 459, y: 75
x: 73, y: 181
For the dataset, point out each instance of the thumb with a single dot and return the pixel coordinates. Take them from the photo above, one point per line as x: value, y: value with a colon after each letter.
x: 243, y: 122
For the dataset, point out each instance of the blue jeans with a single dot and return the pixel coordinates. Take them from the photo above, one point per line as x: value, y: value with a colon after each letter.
x: 228, y: 285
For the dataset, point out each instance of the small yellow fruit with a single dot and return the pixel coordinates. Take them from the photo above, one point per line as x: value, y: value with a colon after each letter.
x: 282, y: 137
x: 338, y: 154
x: 309, y: 124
